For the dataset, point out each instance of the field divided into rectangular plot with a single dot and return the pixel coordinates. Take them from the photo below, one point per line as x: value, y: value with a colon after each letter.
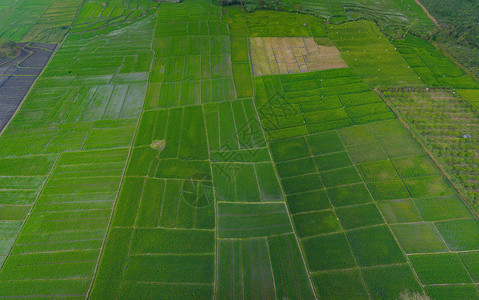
x: 163, y: 241
x: 167, y: 197
x: 183, y: 158
x: 192, y: 62
x: 311, y: 189
x: 366, y: 201
x: 297, y: 104
x: 82, y: 96
x: 366, y: 209
x: 72, y: 139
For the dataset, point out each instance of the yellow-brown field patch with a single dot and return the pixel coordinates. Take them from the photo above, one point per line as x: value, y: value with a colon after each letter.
x: 282, y: 55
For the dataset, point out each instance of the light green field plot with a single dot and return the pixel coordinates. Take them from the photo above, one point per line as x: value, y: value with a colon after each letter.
x: 371, y: 55
x: 93, y: 109
x: 240, y: 53
x: 419, y: 238
x: 389, y: 281
x: 67, y: 225
x: 267, y: 268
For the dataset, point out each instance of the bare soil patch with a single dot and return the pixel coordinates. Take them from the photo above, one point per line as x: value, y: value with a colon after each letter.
x: 283, y: 55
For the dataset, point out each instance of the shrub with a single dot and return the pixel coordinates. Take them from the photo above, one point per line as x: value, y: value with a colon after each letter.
x: 8, y: 48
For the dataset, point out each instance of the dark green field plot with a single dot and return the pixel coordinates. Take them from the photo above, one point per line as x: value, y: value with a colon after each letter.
x: 269, y: 268
x: 359, y: 216
x: 266, y: 268
x: 389, y: 281
x: 290, y: 274
x: 334, y: 249
x: 314, y: 223
x: 245, y: 182
x: 133, y: 256
x: 375, y: 246
x: 244, y: 269
x: 237, y: 220
x: 340, y: 284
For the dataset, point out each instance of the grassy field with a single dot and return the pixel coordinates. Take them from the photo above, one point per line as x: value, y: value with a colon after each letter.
x: 149, y: 162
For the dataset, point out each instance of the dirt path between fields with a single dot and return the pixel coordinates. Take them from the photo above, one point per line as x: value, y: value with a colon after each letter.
x: 427, y: 13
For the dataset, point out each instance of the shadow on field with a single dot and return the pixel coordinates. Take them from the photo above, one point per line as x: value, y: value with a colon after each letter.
x: 18, y: 74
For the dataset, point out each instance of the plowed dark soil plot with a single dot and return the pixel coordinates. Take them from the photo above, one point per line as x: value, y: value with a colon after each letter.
x: 18, y: 74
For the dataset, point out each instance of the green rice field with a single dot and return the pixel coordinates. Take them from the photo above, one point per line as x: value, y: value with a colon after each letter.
x: 148, y: 161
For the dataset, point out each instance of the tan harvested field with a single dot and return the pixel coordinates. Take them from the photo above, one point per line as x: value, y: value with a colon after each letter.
x: 283, y: 55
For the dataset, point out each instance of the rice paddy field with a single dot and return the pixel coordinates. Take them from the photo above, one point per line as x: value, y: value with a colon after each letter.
x: 197, y: 151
